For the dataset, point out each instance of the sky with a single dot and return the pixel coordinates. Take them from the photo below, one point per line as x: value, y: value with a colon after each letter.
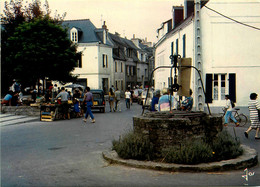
x: 127, y: 17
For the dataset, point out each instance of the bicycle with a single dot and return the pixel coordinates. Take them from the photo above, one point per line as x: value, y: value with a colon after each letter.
x: 241, y: 118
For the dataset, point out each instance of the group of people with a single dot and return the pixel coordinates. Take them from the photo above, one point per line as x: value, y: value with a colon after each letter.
x: 167, y: 102
x: 254, y: 113
x: 114, y: 97
x: 82, y: 103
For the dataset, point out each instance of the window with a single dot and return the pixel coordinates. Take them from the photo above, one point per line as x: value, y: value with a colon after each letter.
x: 130, y: 70
x: 129, y: 52
x: 142, y: 56
x: 116, y: 85
x: 134, y: 70
x: 121, y: 66
x: 127, y: 70
x: 105, y: 61
x: 219, y: 83
x: 74, y: 35
x: 216, y: 87
x: 145, y: 73
x: 172, y: 48
x: 79, y: 60
x: 115, y: 66
x: 184, y: 46
x: 122, y: 85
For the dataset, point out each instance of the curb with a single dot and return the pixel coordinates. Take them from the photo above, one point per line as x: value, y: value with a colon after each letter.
x: 247, y: 160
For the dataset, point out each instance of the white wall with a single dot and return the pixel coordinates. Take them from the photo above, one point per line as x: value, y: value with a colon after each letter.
x: 92, y: 64
x: 163, y: 52
x: 229, y: 47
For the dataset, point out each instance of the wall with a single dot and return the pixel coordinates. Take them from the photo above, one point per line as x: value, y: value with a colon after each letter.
x: 21, y: 110
x: 229, y: 47
x: 163, y: 52
x: 165, y: 129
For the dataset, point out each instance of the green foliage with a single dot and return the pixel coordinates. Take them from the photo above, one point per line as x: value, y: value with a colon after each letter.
x: 223, y: 147
x: 192, y: 152
x: 226, y: 147
x: 25, y: 47
x: 136, y: 146
x: 133, y: 146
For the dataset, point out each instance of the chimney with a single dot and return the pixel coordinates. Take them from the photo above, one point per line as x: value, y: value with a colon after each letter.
x: 104, y: 32
x: 188, y: 8
x: 104, y: 26
x: 177, y: 15
x: 133, y: 36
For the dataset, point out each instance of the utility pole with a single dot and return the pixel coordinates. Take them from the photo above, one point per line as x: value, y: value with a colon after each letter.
x: 198, y: 59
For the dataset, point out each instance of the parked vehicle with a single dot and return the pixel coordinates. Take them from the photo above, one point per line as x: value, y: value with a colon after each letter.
x: 99, y: 100
x: 137, y: 92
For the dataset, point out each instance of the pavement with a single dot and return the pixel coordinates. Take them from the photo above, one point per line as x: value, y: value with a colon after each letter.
x: 69, y: 153
x: 11, y: 119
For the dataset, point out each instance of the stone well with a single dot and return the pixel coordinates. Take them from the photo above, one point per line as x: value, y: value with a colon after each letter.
x: 173, y: 128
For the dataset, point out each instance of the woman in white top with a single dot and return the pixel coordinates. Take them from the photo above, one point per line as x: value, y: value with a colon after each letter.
x: 229, y: 110
x: 127, y: 98
x: 254, y: 108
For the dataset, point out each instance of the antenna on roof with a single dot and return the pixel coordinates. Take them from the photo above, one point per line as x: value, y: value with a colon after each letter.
x: 101, y: 19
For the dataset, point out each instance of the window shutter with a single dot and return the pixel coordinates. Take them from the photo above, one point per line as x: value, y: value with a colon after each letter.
x: 106, y: 62
x: 208, y: 98
x: 232, y: 86
x: 79, y: 60
x: 177, y: 46
x: 184, y: 46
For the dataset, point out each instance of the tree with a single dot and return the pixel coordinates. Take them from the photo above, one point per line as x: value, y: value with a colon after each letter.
x: 17, y: 12
x: 42, y: 48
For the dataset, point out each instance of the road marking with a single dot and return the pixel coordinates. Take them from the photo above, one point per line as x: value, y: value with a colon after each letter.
x: 10, y: 119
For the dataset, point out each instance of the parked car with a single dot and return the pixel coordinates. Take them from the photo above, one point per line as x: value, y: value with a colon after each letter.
x: 99, y: 100
x: 137, y: 92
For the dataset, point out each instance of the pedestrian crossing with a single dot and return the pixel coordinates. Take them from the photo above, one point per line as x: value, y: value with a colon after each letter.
x: 11, y: 119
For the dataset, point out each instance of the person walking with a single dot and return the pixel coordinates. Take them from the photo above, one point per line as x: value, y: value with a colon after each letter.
x: 64, y: 102
x: 111, y: 98
x: 127, y: 98
x: 88, y: 98
x: 117, y: 100
x: 254, y: 110
x: 229, y: 108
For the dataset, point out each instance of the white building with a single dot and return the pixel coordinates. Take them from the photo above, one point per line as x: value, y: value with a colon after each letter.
x: 95, y: 64
x: 225, y: 51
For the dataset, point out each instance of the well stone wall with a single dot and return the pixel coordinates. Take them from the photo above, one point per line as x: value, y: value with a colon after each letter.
x: 173, y: 128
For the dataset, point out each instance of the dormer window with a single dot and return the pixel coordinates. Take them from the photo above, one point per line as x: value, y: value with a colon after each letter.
x: 74, y: 35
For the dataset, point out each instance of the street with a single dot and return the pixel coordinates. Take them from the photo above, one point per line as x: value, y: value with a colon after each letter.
x: 69, y: 153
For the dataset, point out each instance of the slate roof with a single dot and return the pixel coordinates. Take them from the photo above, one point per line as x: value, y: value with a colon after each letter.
x: 118, y: 49
x: 90, y: 33
x: 87, y: 28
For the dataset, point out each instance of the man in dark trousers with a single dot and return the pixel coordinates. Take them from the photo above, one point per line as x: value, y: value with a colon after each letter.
x: 64, y: 102
x: 88, y: 98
